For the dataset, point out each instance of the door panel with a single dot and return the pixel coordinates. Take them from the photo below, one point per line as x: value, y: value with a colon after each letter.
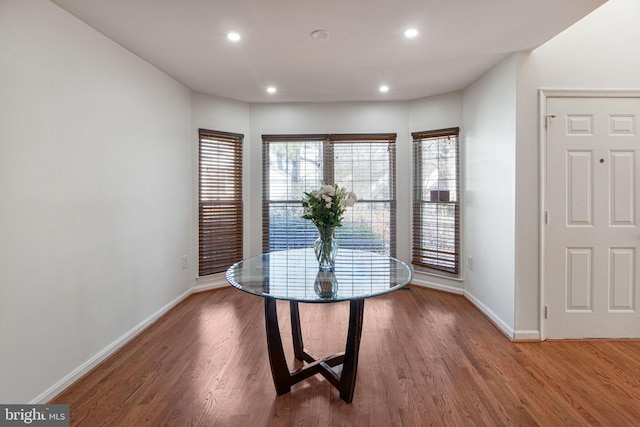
x: 622, y: 279
x: 580, y: 188
x: 591, y: 255
x: 579, y: 284
x: 622, y: 190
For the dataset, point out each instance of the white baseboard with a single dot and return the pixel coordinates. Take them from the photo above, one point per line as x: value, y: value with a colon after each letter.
x: 214, y: 281
x: 437, y: 286
x: 493, y: 317
x: 81, y: 370
x: 513, y: 335
x: 526, y: 335
x: 208, y: 287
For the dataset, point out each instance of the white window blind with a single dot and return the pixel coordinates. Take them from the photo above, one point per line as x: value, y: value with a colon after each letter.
x: 362, y: 163
x: 436, y: 201
x: 220, y: 205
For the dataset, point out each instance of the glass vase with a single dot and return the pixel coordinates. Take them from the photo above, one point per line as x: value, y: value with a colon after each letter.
x: 326, y: 248
x: 326, y: 284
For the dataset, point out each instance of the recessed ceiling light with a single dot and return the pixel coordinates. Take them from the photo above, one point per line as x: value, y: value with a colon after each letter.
x: 320, y: 34
x: 411, y: 33
x: 384, y: 88
x: 271, y: 89
x: 233, y: 36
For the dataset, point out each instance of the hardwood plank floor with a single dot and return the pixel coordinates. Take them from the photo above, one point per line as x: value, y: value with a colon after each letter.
x: 426, y: 358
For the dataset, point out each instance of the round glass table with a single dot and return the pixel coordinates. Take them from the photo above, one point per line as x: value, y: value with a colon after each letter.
x: 294, y: 276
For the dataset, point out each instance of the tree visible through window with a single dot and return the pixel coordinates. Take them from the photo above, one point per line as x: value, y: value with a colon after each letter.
x: 220, y: 205
x: 362, y: 163
x: 436, y: 201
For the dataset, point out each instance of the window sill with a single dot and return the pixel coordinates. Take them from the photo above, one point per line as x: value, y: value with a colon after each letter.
x: 433, y: 273
x: 212, y: 281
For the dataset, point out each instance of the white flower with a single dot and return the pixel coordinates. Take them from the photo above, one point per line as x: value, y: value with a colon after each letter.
x: 326, y: 205
x: 351, y: 199
x: 328, y: 189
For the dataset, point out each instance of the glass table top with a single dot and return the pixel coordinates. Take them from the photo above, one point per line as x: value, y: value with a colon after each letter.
x: 293, y: 275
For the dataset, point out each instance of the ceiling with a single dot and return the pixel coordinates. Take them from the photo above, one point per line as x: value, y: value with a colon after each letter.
x: 458, y: 41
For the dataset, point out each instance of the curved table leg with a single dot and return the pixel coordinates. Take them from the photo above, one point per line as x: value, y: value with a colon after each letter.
x: 352, y: 349
x: 277, y: 360
x: 296, y: 331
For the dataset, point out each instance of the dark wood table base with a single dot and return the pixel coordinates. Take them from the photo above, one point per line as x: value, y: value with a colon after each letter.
x: 340, y: 369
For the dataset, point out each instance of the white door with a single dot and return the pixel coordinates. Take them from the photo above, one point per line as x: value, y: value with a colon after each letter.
x: 592, y: 272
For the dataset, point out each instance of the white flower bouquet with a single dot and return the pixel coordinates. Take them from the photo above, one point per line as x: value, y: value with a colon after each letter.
x: 325, y: 207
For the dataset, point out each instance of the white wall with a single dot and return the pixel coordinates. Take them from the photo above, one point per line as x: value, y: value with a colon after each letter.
x: 436, y: 112
x: 527, y: 288
x: 598, y: 52
x: 95, y: 193
x: 217, y: 113
x: 489, y: 141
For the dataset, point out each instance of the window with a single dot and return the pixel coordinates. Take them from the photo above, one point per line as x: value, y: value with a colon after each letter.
x: 436, y: 201
x: 362, y: 163
x: 220, y: 206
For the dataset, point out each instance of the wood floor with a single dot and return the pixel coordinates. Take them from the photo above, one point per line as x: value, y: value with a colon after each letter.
x: 426, y: 358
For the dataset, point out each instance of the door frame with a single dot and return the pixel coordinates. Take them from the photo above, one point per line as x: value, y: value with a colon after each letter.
x: 543, y: 96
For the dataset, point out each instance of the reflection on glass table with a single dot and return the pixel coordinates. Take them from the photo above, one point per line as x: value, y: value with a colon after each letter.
x: 292, y: 275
